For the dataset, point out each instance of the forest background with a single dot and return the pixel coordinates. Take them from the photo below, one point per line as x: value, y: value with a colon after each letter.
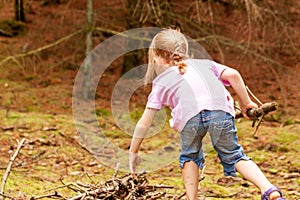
x: 42, y: 49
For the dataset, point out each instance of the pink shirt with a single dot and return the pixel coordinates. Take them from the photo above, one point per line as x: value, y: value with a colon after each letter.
x: 199, y: 88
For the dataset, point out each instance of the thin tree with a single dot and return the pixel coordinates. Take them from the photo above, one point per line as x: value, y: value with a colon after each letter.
x: 19, y: 11
x: 86, y: 92
x: 134, y: 9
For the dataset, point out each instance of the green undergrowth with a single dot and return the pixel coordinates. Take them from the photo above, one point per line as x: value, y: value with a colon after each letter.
x: 54, y: 155
x: 25, y: 97
x: 12, y: 28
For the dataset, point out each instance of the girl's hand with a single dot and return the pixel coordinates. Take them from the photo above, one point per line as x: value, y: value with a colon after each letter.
x: 134, y: 161
x: 249, y: 105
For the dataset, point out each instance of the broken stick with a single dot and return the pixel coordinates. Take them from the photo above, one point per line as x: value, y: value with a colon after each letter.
x: 255, y: 113
x: 11, y: 161
x: 258, y: 114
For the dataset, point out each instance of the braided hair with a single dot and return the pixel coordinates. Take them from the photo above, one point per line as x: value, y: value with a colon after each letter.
x: 171, y: 45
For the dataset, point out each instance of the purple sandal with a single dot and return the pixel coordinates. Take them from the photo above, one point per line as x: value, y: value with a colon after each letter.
x: 266, y: 195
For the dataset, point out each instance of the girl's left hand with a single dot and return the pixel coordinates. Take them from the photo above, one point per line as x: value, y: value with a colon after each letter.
x: 134, y: 161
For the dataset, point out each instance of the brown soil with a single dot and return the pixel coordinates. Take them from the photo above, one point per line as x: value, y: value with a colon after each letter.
x: 43, y: 82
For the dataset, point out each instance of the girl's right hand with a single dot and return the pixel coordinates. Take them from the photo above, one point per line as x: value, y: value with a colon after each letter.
x: 249, y: 105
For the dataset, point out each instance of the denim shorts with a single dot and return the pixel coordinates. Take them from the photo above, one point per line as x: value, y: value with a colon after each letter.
x: 222, y: 130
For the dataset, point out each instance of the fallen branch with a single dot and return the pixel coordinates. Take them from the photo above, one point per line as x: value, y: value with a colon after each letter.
x: 255, y: 113
x: 54, y: 195
x: 6, y: 196
x: 11, y: 128
x: 5, y: 33
x: 117, y: 188
x: 258, y: 114
x: 15, y: 57
x: 12, y: 159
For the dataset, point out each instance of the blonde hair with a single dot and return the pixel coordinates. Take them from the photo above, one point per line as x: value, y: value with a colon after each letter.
x: 171, y: 45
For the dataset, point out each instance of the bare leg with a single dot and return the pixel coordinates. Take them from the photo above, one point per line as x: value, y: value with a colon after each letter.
x: 190, y: 173
x: 250, y: 171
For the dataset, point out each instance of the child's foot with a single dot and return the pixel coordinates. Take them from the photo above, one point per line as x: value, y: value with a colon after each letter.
x: 273, y: 193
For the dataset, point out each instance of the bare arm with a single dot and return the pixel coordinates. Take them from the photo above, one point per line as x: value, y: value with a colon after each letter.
x: 141, y: 129
x: 237, y: 83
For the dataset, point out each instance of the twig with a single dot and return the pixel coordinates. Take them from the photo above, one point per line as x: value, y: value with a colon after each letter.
x: 5, y: 33
x: 116, y: 171
x: 260, y: 119
x: 53, y: 195
x: 182, y: 195
x: 122, y: 188
x: 59, y: 187
x: 251, y: 93
x: 125, y: 35
x: 81, y: 196
x: 12, y: 159
x: 6, y: 196
x: 160, y: 187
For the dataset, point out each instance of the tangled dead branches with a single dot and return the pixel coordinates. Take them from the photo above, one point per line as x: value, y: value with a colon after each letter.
x: 124, y: 188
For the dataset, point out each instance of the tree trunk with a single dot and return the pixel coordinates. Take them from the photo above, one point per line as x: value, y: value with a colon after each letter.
x: 89, y: 38
x: 133, y: 13
x: 86, y: 90
x: 19, y: 11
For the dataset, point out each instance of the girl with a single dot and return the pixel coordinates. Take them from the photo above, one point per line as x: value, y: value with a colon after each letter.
x: 194, y: 90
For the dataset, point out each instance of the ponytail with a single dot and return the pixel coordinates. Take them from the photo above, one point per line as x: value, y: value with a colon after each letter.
x: 182, y: 67
x: 172, y: 46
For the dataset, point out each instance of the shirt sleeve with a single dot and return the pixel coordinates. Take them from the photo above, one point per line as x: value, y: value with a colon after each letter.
x: 218, y: 69
x: 154, y: 100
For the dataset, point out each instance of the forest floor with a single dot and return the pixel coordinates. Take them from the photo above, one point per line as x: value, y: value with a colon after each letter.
x: 53, y: 154
x: 36, y: 104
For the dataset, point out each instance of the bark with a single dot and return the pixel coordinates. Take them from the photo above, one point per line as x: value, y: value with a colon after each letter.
x: 255, y: 113
x: 133, y: 13
x: 10, y: 164
x: 19, y: 11
x: 86, y: 91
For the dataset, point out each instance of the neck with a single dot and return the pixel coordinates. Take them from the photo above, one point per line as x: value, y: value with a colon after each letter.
x: 161, y: 68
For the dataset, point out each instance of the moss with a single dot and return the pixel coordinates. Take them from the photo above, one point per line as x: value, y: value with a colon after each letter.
x: 136, y: 115
x: 11, y: 28
x: 273, y: 171
x: 30, y: 77
x: 102, y: 112
x: 67, y: 159
x: 286, y: 137
x: 298, y: 181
